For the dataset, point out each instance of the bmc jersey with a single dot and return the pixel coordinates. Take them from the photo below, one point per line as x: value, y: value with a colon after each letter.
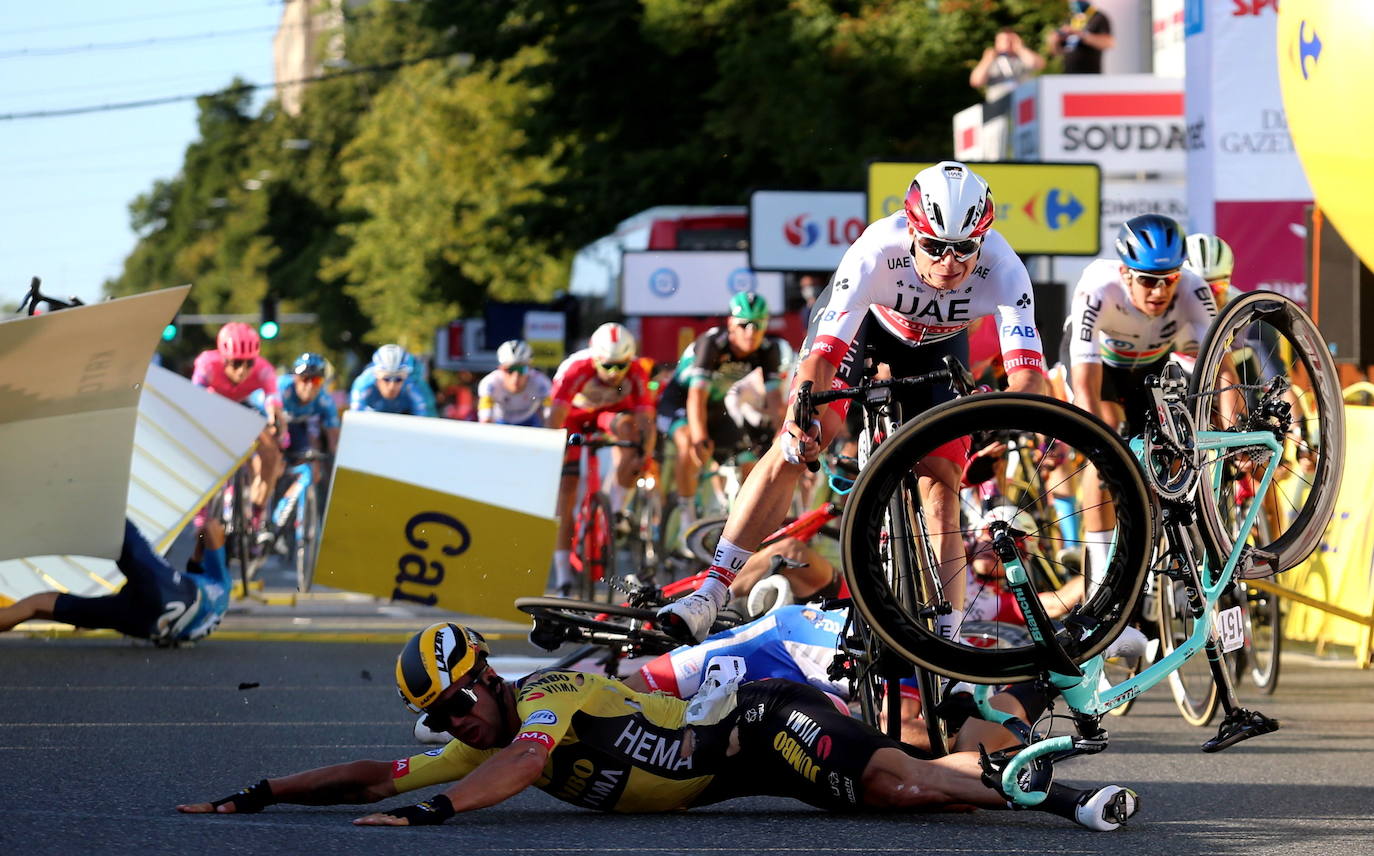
x: 513, y: 408
x: 795, y: 642
x: 610, y: 748
x: 1107, y: 328
x: 209, y: 373
x: 577, y: 385
x: 709, y: 362
x: 877, y: 275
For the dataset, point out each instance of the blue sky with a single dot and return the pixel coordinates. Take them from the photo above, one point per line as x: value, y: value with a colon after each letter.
x: 68, y: 181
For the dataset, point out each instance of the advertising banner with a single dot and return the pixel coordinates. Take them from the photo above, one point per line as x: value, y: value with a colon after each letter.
x: 69, y: 390
x: 545, y: 332
x: 458, y: 515
x: 1122, y: 200
x: 187, y: 442
x: 968, y: 134
x: 1125, y: 123
x: 1041, y: 207
x: 1269, y: 240
x: 803, y: 229
x: 691, y: 282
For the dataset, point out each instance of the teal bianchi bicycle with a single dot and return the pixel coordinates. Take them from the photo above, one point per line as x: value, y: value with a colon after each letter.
x: 1257, y: 433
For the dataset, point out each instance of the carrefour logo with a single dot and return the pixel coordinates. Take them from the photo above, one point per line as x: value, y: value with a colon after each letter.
x: 1060, y: 208
x: 801, y: 232
x: 1308, y: 48
x: 664, y: 282
x: 741, y: 279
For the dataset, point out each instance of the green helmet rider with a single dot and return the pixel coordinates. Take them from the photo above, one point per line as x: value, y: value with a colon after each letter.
x: 749, y: 306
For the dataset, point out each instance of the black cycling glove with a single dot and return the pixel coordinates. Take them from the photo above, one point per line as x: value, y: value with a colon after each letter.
x: 431, y: 812
x: 251, y: 799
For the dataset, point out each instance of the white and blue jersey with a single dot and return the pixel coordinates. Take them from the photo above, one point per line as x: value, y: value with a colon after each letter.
x: 365, y: 396
x: 795, y: 642
x: 305, y: 419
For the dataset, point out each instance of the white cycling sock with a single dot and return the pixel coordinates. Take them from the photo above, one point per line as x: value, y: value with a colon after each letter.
x: 562, y: 568
x: 1098, y: 546
x: 686, y: 512
x: 948, y: 625
x: 616, y: 495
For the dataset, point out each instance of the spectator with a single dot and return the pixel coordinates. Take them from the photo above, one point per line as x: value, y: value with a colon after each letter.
x: 810, y: 286
x: 1082, y: 39
x: 1004, y: 65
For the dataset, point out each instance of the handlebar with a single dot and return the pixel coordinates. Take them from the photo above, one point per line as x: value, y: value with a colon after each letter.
x: 600, y: 442
x: 35, y: 297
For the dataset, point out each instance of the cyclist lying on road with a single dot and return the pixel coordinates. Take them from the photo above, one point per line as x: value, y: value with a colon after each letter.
x: 592, y: 742
x: 157, y: 602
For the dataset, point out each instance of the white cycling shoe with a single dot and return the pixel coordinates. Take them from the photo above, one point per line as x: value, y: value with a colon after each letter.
x: 689, y: 619
x: 1107, y: 809
x: 432, y: 738
x: 715, y: 699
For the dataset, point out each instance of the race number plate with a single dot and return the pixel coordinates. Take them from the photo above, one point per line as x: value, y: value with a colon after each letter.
x: 1231, y: 627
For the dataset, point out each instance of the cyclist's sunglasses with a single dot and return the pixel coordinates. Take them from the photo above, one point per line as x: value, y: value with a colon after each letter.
x: 1150, y: 281
x: 614, y: 367
x: 440, y: 714
x: 392, y: 378
x: 749, y: 325
x: 238, y: 364
x: 935, y: 249
x: 515, y: 369
x: 310, y: 380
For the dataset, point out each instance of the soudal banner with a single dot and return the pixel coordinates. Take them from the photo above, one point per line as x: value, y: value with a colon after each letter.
x: 1124, y: 123
x: 802, y: 229
x: 440, y: 512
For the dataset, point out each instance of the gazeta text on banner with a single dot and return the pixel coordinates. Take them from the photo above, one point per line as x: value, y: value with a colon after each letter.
x: 1042, y: 208
x: 803, y: 229
x: 439, y: 512
x: 187, y: 443
x: 70, y: 383
x: 691, y: 282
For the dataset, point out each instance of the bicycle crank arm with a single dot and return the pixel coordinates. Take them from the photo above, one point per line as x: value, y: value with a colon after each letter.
x: 1240, y: 724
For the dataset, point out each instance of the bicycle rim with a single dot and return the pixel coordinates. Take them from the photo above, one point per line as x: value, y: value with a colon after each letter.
x: 1265, y: 644
x: 907, y: 627
x: 1195, y: 691
x: 307, y: 544
x: 1266, y: 336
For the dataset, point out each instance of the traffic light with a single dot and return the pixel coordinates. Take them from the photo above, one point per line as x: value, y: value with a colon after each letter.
x: 268, y: 328
x: 169, y: 333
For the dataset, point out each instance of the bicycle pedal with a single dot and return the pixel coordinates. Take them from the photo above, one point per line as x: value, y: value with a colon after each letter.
x: 1240, y: 724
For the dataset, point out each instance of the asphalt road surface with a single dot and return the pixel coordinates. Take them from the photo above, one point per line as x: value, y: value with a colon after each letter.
x: 100, y: 737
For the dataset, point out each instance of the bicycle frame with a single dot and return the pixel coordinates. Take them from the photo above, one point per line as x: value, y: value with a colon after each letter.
x: 292, y: 502
x: 1081, y: 686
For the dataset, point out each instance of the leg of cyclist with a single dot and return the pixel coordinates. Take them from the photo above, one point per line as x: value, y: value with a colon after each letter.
x: 1092, y: 393
x: 567, y: 498
x: 268, y: 466
x: 685, y: 473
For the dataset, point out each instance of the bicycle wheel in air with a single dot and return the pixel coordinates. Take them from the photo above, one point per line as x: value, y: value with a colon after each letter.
x: 951, y: 430
x: 308, y: 540
x: 1268, y: 340
x: 1195, y: 691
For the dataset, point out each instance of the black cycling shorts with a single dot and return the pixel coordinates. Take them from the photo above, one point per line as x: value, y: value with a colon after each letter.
x: 794, y: 742
x: 728, y: 437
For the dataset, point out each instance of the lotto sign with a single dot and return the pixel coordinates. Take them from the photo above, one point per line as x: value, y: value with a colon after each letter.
x: 1042, y: 208
x: 678, y: 282
x: 441, y: 513
x: 801, y: 229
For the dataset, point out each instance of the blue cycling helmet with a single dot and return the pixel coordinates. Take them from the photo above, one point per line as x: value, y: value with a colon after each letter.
x: 310, y: 365
x: 1151, y: 243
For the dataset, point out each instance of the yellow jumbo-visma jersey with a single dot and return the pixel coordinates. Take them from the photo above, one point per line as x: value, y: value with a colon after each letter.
x: 610, y: 748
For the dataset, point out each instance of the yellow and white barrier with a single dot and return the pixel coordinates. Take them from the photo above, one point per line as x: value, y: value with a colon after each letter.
x: 69, y: 391
x: 1333, y: 591
x: 443, y: 513
x: 187, y: 442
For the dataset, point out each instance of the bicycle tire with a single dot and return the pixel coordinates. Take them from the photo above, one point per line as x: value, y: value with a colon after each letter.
x: 240, y: 511
x: 1106, y: 612
x: 1195, y: 691
x: 594, y: 547
x: 647, y: 519
x: 1254, y: 313
x: 701, y: 538
x: 1264, y: 641
x: 308, y: 544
